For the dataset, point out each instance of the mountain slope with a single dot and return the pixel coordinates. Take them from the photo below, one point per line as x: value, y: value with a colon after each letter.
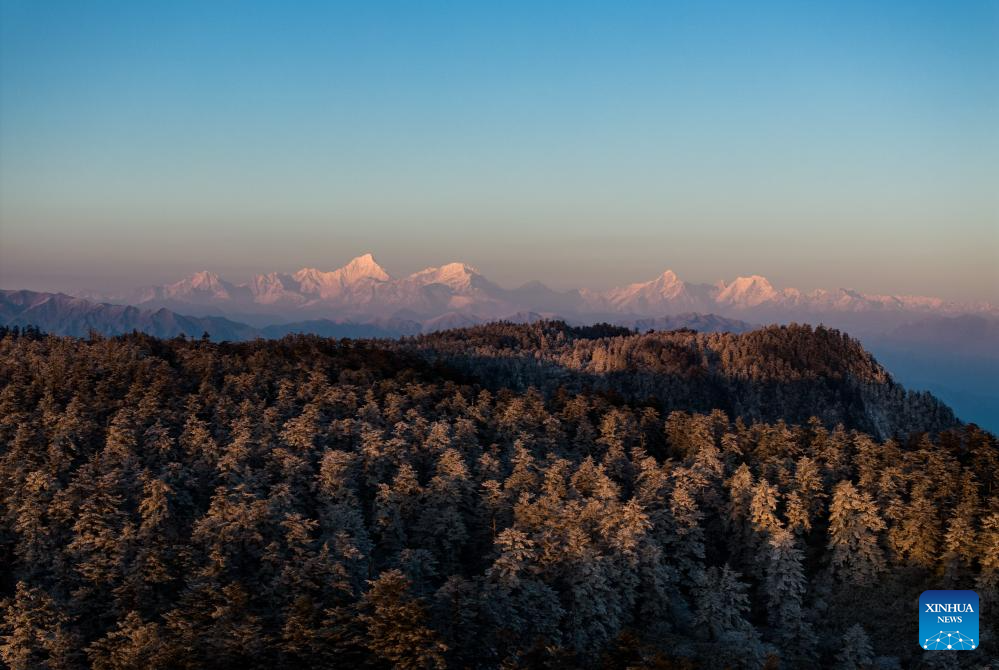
x: 65, y: 315
x: 777, y: 372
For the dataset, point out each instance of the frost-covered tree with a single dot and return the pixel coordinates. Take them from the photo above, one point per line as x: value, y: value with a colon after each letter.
x: 763, y: 520
x: 397, y: 625
x: 396, y: 507
x: 722, y: 603
x: 960, y: 538
x: 739, y: 532
x: 36, y: 632
x: 519, y: 607
x: 918, y: 535
x: 682, y: 535
x: 855, y: 651
x: 786, y: 585
x: 854, y: 525
x: 133, y: 644
x: 447, y: 503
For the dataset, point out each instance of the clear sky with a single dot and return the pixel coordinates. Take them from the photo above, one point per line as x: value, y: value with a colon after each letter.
x: 832, y: 144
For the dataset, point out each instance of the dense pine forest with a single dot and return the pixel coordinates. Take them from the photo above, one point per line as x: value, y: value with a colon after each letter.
x: 507, y: 496
x: 792, y: 372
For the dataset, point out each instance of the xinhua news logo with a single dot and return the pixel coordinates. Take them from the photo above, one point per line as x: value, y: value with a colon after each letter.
x: 948, y: 620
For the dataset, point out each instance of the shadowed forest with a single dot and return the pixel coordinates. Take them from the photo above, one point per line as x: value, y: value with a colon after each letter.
x: 511, y: 496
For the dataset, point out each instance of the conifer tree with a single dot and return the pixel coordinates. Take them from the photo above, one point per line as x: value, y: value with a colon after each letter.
x: 133, y: 644
x: 37, y: 632
x: 854, y: 525
x: 960, y: 538
x: 786, y: 585
x: 722, y: 603
x: 855, y: 650
x: 396, y: 625
x: 919, y: 532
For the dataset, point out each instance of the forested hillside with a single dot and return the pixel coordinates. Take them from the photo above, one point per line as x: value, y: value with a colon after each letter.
x: 779, y: 372
x: 506, y: 496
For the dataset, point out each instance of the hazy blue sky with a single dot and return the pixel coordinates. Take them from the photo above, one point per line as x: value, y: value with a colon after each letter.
x: 821, y: 144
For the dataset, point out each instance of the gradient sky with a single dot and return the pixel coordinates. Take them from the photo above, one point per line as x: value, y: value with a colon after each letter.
x: 850, y: 144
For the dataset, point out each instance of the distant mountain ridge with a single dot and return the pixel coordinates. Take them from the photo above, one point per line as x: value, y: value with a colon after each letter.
x: 362, y: 290
x: 61, y: 314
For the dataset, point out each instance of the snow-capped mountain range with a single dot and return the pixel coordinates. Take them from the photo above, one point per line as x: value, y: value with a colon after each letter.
x: 457, y: 293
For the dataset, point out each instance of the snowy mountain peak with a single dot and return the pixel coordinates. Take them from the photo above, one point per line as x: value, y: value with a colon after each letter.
x: 748, y: 291
x: 204, y: 282
x: 204, y: 278
x: 310, y: 280
x: 455, y: 275
x: 360, y: 271
x: 275, y: 287
x: 459, y: 267
x: 752, y: 280
x: 851, y: 293
x: 665, y: 292
x: 363, y: 267
x: 669, y: 283
x: 456, y: 271
x: 668, y: 276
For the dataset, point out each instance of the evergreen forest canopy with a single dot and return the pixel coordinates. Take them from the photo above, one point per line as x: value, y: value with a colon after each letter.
x: 502, y: 496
